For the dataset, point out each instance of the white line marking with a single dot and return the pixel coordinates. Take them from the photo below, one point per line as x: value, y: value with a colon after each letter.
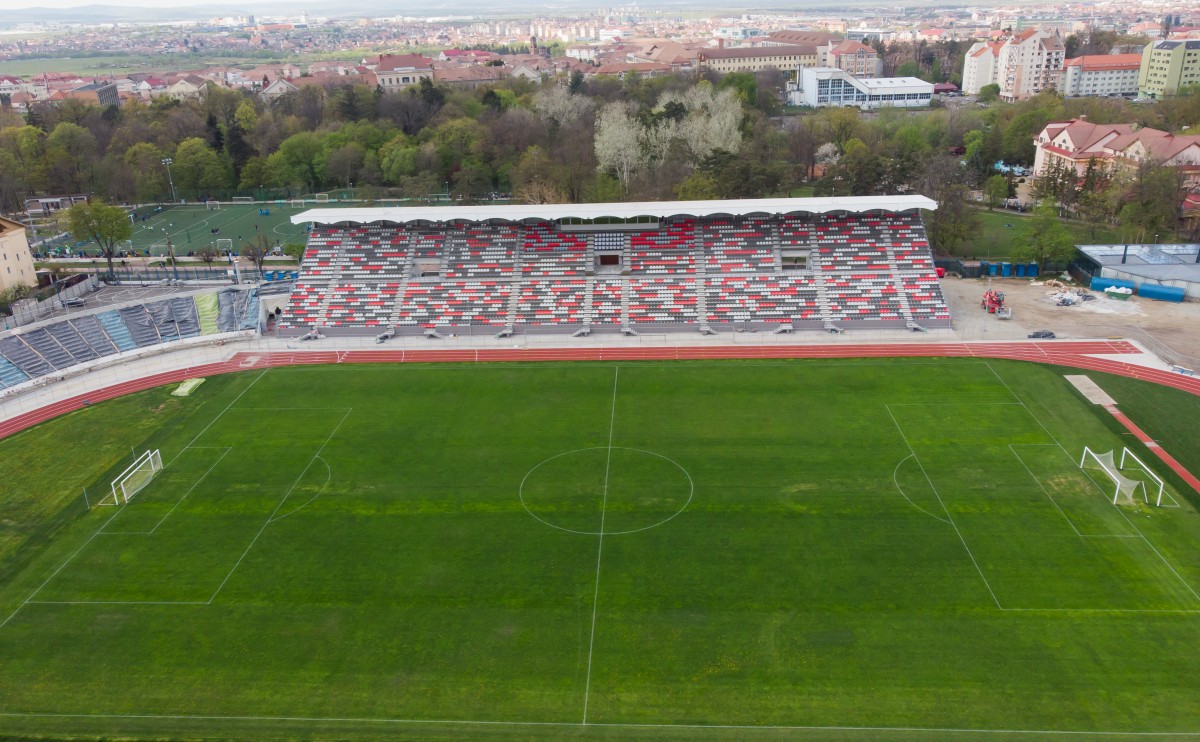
x: 614, y: 725
x: 221, y: 413
x: 278, y: 505
x: 905, y: 495
x: 587, y: 687
x: 943, y: 504
x: 190, y: 489
x: 676, y: 514
x: 117, y: 602
x: 328, y: 477
x: 60, y: 569
x: 1044, y: 490
x: 1120, y: 510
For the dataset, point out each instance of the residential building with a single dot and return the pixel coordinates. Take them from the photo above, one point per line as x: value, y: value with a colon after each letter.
x: 1168, y: 66
x: 1022, y: 65
x: 47, y: 205
x: 979, y: 66
x: 830, y: 86
x: 1101, y: 74
x: 758, y: 58
x: 16, y: 262
x: 621, y: 69
x: 189, y: 86
x: 797, y: 38
x: 277, y: 89
x: 99, y: 94
x: 468, y: 76
x: 1078, y: 142
x: 1028, y: 63
x: 395, y: 72
x: 854, y: 57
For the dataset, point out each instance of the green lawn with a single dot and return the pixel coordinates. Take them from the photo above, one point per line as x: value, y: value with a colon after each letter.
x: 1000, y: 230
x: 361, y: 551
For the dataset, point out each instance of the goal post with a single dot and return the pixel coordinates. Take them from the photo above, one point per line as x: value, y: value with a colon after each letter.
x: 242, y: 199
x: 224, y: 246
x: 1158, y: 481
x: 321, y: 198
x: 297, y: 203
x: 1124, y: 488
x: 136, y: 477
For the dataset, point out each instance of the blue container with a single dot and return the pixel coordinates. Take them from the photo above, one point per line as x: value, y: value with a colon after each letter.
x: 1161, y: 293
x: 1020, y: 267
x: 1099, y: 284
x: 993, y: 269
x: 1006, y: 270
x: 1032, y: 271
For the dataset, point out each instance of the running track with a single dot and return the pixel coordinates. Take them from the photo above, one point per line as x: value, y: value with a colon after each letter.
x: 1076, y: 354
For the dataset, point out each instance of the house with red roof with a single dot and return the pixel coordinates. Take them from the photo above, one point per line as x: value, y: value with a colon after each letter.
x: 1077, y: 143
x: 1101, y: 74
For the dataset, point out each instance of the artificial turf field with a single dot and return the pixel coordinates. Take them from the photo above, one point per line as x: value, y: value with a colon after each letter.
x: 852, y: 547
x: 190, y: 227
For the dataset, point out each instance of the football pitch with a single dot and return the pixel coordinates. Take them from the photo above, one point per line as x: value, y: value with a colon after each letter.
x: 850, y: 549
x: 190, y: 228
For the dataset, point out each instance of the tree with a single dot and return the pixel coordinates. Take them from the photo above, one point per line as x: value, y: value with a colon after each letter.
x: 1152, y: 202
x: 618, y: 149
x: 257, y: 250
x: 954, y: 222
x: 145, y: 161
x: 1043, y: 238
x: 106, y: 225
x: 197, y: 167
x: 343, y: 163
x: 995, y: 191
x: 988, y: 93
x: 697, y: 187
x: 560, y: 106
x: 207, y: 254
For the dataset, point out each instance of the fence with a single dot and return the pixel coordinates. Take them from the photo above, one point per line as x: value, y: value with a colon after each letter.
x: 31, y: 310
x: 183, y: 273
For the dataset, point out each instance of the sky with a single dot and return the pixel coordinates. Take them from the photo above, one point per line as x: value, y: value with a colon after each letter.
x: 20, y: 4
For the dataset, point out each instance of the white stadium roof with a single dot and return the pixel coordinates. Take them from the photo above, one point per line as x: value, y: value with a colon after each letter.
x: 654, y: 209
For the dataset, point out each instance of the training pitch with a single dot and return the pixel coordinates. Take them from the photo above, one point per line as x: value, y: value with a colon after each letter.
x: 828, y: 549
x: 190, y: 228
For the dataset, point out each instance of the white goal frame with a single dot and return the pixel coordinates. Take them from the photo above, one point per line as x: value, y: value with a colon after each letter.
x: 224, y: 244
x: 212, y: 205
x: 242, y: 199
x: 1115, y: 475
x: 321, y: 198
x: 297, y: 203
x: 1125, y: 452
x: 136, y: 477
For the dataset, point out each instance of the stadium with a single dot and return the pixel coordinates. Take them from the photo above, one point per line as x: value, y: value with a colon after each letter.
x: 715, y: 470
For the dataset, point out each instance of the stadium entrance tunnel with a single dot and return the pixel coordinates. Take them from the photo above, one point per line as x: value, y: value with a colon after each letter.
x: 609, y: 491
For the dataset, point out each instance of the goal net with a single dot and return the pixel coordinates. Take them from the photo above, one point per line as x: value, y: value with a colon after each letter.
x: 321, y: 198
x: 298, y: 203
x: 1124, y: 488
x: 136, y: 477
x: 242, y: 199
x: 224, y: 246
x: 1155, y: 480
x: 212, y: 205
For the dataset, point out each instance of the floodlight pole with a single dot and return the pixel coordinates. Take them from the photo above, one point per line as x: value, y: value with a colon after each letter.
x: 167, y: 161
x: 174, y: 260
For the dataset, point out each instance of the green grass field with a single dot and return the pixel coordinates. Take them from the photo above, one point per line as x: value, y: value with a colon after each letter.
x: 999, y: 232
x: 371, y: 551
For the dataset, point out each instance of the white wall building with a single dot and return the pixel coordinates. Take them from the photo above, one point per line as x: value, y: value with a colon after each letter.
x: 1028, y: 63
x: 1101, y: 74
x: 979, y: 66
x: 829, y: 86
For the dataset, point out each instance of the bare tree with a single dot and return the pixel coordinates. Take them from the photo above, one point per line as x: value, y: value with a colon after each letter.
x: 618, y: 149
x: 257, y: 251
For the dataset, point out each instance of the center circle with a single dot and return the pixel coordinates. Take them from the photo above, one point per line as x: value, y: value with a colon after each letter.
x: 606, y: 490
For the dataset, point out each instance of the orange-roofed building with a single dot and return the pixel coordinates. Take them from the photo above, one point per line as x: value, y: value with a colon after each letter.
x: 1101, y: 74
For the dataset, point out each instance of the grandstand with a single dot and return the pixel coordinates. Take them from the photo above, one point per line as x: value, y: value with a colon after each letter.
x: 708, y: 266
x: 56, y: 346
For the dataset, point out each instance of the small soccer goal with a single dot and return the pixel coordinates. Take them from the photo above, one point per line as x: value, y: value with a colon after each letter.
x: 297, y: 203
x: 321, y: 198
x: 212, y: 205
x: 242, y: 199
x: 1125, y: 489
x: 224, y: 247
x: 136, y: 477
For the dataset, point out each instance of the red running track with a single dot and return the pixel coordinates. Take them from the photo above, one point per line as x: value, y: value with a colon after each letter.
x: 1156, y: 449
x: 1070, y: 353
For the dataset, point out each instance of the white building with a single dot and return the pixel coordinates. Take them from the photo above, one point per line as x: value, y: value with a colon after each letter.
x: 829, y: 86
x: 1028, y: 63
x: 979, y: 66
x: 1101, y: 74
x: 1022, y: 65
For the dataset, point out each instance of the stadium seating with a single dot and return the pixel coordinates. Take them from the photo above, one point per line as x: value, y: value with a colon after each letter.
x: 552, y: 302
x: 548, y: 252
x: 57, y: 345
x: 863, y: 269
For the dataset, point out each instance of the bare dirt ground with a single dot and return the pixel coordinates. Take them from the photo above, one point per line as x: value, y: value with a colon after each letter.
x: 1170, y: 330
